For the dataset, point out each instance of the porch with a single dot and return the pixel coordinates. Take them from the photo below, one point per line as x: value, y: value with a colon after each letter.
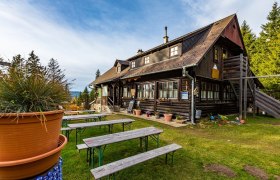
x: 153, y: 118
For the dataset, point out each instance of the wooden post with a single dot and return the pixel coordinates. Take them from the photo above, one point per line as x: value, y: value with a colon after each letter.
x: 254, y: 100
x: 240, y: 86
x: 245, y: 91
x: 155, y: 96
x: 113, y: 97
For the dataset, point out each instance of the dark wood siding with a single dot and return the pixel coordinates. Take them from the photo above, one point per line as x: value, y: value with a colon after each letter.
x: 176, y: 106
x: 161, y: 55
x: 215, y: 106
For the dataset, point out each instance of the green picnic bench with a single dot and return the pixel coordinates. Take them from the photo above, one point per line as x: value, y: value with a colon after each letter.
x: 111, y: 169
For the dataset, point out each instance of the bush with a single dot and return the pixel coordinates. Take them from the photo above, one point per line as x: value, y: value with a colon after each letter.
x: 30, y: 87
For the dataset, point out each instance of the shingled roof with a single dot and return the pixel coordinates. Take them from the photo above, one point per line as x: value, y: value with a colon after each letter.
x: 210, y: 34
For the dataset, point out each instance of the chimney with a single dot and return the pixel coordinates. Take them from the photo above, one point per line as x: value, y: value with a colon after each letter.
x: 165, y: 38
x: 139, y: 51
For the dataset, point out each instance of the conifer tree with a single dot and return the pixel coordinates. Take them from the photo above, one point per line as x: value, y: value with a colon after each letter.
x: 97, y: 74
x: 266, y: 59
x: 85, y: 96
x: 33, y: 65
x: 92, y: 95
x: 249, y: 38
x: 55, y: 73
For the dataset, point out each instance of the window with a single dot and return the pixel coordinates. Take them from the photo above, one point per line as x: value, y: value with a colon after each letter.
x: 174, y: 51
x: 216, y: 91
x: 147, y: 60
x: 126, y: 92
x: 203, y: 90
x: 139, y: 91
x: 105, y: 91
x: 133, y: 64
x: 225, y: 54
x: 216, y: 54
x: 168, y: 89
x: 119, y: 69
x: 146, y: 90
x: 209, y: 91
x: 228, y: 93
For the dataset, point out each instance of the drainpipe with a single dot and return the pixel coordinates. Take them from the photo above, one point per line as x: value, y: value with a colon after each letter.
x: 185, y: 73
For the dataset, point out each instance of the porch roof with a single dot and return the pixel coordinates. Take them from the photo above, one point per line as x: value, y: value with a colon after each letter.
x: 110, y: 75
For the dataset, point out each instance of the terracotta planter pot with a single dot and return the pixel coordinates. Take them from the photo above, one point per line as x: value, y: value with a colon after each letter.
x: 26, y: 135
x: 137, y: 112
x: 29, y: 167
x: 167, y: 117
x: 242, y: 121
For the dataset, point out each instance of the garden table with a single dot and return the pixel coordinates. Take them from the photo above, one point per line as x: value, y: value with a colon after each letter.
x: 87, y: 117
x: 80, y: 127
x: 98, y: 142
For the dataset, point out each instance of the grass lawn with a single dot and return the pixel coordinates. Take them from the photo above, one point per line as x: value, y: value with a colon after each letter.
x: 256, y: 143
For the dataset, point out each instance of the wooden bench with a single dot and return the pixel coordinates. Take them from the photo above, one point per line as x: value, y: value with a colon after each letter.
x: 67, y: 131
x: 111, y: 168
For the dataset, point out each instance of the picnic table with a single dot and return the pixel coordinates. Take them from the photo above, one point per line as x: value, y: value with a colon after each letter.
x: 88, y: 117
x: 80, y: 127
x: 78, y: 112
x: 98, y: 142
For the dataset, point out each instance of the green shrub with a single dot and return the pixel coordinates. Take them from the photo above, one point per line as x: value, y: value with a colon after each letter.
x: 30, y: 87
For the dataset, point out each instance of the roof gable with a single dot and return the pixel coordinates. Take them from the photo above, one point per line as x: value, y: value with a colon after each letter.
x: 232, y: 32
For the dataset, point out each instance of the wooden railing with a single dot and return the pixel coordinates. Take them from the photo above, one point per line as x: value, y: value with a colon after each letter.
x: 268, y: 104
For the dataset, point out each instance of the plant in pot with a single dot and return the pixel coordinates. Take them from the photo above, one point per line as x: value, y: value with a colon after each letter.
x: 137, y: 111
x: 157, y: 115
x: 180, y: 119
x: 30, y: 119
x: 168, y: 115
x: 148, y: 113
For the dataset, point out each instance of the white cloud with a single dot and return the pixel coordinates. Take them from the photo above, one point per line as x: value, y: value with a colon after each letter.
x: 205, y: 12
x: 25, y: 27
x: 80, y: 53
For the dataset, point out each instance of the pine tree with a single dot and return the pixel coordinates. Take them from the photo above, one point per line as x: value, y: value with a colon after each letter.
x: 92, y: 95
x: 55, y: 74
x: 97, y: 74
x: 34, y: 66
x: 249, y: 38
x: 270, y: 30
x: 79, y: 99
x: 85, y: 96
x: 266, y: 60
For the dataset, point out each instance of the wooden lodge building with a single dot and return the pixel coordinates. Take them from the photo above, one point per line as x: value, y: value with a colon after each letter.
x: 199, y: 70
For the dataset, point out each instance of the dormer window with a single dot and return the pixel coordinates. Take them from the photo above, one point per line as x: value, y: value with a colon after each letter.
x: 174, y: 51
x: 133, y: 64
x: 147, y: 60
x: 119, y: 69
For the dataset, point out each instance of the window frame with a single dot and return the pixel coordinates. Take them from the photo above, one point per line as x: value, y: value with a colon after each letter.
x: 119, y: 69
x: 146, y: 90
x: 209, y: 91
x: 226, y: 53
x: 164, y: 89
x: 146, y: 60
x: 174, y: 51
x: 133, y: 64
x: 216, y: 54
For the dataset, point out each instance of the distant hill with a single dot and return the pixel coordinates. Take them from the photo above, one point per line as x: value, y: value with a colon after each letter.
x: 75, y: 93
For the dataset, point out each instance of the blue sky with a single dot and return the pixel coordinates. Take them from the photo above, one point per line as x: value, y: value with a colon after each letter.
x: 85, y: 35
